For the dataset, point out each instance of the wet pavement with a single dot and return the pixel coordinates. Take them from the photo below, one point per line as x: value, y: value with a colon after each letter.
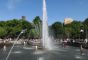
x: 29, y: 53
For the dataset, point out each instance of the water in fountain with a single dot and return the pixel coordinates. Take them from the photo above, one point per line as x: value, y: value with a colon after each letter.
x: 46, y: 40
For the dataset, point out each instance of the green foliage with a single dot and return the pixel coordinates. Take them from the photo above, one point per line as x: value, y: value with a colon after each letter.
x: 33, y: 34
x: 12, y: 28
x: 57, y: 29
x: 3, y: 32
x: 2, y: 23
x: 75, y: 29
x: 38, y: 25
x: 86, y: 22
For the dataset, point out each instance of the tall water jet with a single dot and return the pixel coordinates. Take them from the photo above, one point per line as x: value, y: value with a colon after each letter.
x: 46, y: 40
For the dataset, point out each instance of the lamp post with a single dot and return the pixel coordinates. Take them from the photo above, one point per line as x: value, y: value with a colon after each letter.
x: 86, y: 39
x: 81, y: 30
x: 86, y: 30
x: 81, y: 34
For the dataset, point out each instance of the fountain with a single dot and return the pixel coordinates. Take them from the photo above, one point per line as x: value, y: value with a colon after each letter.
x: 47, y: 44
x: 48, y: 53
x: 46, y: 40
x: 23, y: 31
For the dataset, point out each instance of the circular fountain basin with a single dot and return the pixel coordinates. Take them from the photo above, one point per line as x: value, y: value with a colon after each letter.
x: 68, y: 53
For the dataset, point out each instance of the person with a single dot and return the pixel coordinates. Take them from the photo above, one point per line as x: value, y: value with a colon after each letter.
x: 81, y: 49
x: 85, y: 41
x: 64, y: 43
x: 24, y: 43
x: 4, y: 48
x: 36, y: 47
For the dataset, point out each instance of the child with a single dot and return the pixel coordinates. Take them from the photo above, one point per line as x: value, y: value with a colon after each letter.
x: 81, y: 50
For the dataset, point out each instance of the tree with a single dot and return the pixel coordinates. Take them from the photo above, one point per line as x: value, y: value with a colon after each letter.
x: 12, y: 23
x: 33, y: 34
x: 85, y: 23
x: 3, y: 32
x: 57, y: 28
x: 14, y: 27
x: 38, y: 25
x: 2, y: 23
x: 75, y: 33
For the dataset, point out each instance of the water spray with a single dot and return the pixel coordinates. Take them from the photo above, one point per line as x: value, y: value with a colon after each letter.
x: 23, y: 31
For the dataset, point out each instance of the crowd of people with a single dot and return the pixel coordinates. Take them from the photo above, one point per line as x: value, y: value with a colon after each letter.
x: 82, y: 45
x: 64, y: 43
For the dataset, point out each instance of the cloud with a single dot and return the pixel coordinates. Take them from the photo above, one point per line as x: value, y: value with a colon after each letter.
x: 11, y: 4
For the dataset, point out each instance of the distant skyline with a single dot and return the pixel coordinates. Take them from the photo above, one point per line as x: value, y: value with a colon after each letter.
x: 57, y: 10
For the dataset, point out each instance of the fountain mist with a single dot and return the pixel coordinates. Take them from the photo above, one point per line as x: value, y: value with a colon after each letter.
x: 46, y: 40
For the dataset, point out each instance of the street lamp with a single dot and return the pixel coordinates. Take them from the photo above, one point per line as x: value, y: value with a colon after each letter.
x: 81, y: 34
x: 23, y: 31
x: 81, y: 30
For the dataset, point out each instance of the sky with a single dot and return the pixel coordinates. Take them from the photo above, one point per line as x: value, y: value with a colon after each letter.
x: 57, y: 10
